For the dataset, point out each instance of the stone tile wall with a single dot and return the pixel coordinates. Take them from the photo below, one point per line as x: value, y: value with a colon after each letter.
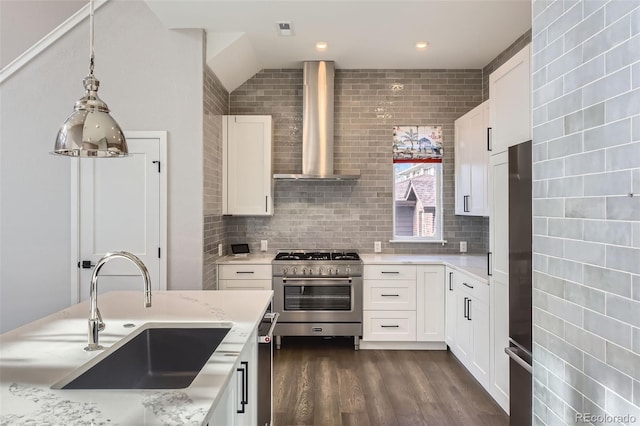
x: 344, y: 214
x: 216, y: 104
x: 586, y: 136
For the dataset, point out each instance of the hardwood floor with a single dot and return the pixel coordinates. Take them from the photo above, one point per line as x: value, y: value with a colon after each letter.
x: 326, y: 382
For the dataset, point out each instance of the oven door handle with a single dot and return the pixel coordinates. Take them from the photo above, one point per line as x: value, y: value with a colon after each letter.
x: 266, y: 338
x: 285, y: 279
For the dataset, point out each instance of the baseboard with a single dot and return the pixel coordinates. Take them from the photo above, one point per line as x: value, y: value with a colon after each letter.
x: 403, y: 346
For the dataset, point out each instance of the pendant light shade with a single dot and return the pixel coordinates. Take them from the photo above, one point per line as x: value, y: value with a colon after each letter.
x: 90, y: 131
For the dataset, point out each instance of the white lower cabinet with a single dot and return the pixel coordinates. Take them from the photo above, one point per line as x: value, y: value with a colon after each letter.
x: 468, y: 309
x: 389, y: 326
x: 450, y: 308
x: 430, y: 303
x: 403, y: 303
x: 244, y: 277
x: 238, y: 405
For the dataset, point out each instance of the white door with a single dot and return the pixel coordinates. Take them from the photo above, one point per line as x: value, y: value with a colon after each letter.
x: 120, y: 208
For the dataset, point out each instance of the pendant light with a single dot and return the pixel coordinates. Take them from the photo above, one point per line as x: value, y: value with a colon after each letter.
x: 90, y: 131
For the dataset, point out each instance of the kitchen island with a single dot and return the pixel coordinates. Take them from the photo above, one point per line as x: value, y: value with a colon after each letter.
x: 37, y: 355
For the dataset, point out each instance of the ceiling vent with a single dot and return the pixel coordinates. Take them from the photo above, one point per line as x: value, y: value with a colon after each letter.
x: 285, y: 28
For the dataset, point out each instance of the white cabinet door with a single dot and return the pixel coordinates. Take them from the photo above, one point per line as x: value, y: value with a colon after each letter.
x: 462, y: 346
x: 450, y: 308
x: 499, y: 267
x: 480, y: 355
x: 471, y: 162
x: 430, y: 305
x: 225, y: 411
x: 247, y: 176
x: 499, y: 316
x: 510, y: 102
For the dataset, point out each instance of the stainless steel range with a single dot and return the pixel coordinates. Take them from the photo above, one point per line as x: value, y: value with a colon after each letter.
x: 318, y: 293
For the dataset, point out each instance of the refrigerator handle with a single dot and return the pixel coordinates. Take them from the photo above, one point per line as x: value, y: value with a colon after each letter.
x: 489, y: 264
x: 514, y: 356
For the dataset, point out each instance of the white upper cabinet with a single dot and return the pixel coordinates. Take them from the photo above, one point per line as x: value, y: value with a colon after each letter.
x: 510, y: 102
x: 247, y: 185
x: 471, y: 160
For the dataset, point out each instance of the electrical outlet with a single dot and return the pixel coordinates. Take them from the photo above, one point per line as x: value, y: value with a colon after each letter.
x: 463, y: 246
x: 264, y: 245
x: 219, y: 249
x: 377, y: 246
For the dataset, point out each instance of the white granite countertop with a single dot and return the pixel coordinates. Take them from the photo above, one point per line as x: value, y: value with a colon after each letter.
x: 250, y: 259
x: 475, y: 265
x: 37, y: 355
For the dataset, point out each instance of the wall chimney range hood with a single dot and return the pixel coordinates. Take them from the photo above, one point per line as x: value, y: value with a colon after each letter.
x: 317, y: 126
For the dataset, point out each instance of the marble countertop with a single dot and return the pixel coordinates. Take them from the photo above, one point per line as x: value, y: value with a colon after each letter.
x: 475, y: 265
x: 37, y: 355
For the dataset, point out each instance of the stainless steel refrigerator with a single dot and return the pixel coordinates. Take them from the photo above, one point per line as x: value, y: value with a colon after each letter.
x: 520, y: 285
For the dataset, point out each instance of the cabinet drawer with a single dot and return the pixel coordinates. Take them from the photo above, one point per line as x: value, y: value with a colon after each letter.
x: 382, y: 295
x: 245, y: 285
x: 477, y: 289
x: 389, y: 326
x: 245, y: 272
x: 390, y: 272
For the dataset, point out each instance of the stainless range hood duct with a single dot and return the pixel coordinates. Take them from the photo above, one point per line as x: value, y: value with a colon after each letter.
x: 317, y: 125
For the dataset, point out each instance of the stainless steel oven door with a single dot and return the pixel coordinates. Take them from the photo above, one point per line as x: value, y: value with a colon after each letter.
x: 322, y: 299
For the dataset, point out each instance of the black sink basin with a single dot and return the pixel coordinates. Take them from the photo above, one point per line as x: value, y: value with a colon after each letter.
x: 157, y: 358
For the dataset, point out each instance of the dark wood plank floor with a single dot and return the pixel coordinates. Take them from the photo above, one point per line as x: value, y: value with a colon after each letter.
x: 325, y: 382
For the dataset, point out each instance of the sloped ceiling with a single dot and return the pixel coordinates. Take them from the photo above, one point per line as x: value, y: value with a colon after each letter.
x: 242, y: 36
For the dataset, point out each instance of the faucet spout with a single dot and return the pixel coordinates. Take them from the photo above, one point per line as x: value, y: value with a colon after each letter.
x: 95, y: 319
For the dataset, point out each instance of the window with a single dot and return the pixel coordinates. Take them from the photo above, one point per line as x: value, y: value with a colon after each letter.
x: 417, y: 187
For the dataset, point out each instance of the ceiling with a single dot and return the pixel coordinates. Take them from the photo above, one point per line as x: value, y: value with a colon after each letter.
x: 243, y: 37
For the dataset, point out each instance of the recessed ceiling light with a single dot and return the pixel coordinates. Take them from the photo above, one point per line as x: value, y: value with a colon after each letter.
x: 422, y: 45
x: 321, y: 45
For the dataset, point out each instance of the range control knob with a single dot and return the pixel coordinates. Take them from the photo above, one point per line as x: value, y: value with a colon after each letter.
x: 330, y: 271
x: 284, y: 271
x: 337, y: 271
x: 295, y: 270
x: 348, y: 271
x: 310, y: 271
x: 320, y: 271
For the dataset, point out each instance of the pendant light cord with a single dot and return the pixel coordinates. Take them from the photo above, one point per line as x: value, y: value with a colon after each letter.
x: 92, y: 56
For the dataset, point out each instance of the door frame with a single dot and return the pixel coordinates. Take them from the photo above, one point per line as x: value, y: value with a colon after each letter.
x: 74, y: 256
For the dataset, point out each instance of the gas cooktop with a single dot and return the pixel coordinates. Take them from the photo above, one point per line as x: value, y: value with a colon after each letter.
x: 317, y: 255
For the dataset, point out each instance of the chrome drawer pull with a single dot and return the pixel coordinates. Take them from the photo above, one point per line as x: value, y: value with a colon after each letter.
x: 390, y: 295
x: 390, y: 326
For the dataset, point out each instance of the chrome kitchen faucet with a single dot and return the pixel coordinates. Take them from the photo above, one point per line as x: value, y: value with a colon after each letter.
x: 95, y: 319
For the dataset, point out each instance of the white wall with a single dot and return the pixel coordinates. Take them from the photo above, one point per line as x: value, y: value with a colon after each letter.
x: 152, y: 80
x: 42, y: 16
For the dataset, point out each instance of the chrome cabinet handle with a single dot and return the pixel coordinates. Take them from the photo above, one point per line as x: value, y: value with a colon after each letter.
x: 390, y: 295
x: 469, y: 309
x: 489, y: 263
x: 450, y: 281
x: 389, y: 272
x: 390, y: 326
x: 244, y: 272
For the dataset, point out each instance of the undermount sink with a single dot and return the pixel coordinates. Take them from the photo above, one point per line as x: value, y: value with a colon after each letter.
x: 158, y: 357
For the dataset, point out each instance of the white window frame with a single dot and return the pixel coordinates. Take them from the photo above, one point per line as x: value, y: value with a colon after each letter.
x: 439, y: 234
